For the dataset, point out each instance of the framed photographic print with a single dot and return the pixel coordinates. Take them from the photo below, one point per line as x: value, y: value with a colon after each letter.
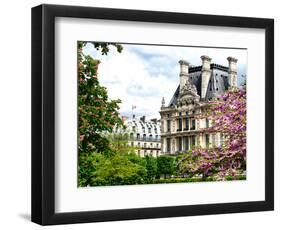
x: 142, y: 114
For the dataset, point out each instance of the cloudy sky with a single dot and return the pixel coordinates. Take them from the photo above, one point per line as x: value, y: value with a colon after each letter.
x: 142, y: 74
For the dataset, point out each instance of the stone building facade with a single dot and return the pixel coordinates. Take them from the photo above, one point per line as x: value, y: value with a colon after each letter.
x: 144, y: 135
x: 181, y: 129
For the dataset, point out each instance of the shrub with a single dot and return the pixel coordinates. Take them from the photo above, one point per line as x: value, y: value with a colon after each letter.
x: 118, y: 170
x: 166, y: 166
x: 87, y: 165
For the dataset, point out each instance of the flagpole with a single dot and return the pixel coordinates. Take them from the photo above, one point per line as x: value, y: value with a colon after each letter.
x: 133, y: 107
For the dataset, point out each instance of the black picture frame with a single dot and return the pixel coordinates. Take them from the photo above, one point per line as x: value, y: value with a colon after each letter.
x: 43, y: 114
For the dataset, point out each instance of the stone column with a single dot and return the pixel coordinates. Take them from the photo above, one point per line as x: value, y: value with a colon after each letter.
x: 202, y: 141
x: 206, y: 74
x: 183, y: 72
x: 232, y: 71
x: 173, y: 145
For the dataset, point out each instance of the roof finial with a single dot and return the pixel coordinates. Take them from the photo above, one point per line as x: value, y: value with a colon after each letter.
x: 163, y: 102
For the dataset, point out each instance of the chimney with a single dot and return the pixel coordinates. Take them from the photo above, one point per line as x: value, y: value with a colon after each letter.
x: 154, y: 120
x: 206, y: 74
x: 183, y: 72
x: 142, y: 119
x: 232, y: 72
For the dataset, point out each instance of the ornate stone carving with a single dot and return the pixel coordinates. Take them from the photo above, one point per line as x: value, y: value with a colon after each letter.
x: 188, y: 96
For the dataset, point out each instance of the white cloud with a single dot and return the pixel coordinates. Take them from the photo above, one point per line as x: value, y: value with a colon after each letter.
x: 141, y: 75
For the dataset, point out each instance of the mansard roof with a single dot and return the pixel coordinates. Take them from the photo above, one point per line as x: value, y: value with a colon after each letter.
x: 218, y: 82
x: 149, y: 127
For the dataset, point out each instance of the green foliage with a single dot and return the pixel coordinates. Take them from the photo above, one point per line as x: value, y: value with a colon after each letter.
x: 176, y: 180
x: 187, y: 164
x: 102, y: 46
x: 119, y: 143
x: 87, y: 164
x: 166, y: 165
x: 236, y: 177
x: 137, y: 159
x: 97, y: 113
x: 151, y: 168
x: 96, y: 169
x: 194, y: 179
x: 118, y: 170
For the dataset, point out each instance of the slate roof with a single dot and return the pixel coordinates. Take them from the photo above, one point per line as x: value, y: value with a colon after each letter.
x: 218, y: 83
x: 150, y: 128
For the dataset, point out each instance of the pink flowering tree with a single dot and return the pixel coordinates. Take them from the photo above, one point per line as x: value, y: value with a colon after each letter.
x: 228, y: 118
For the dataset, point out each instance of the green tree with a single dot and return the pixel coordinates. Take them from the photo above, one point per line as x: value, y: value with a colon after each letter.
x: 103, y: 47
x: 151, y: 168
x: 87, y: 165
x: 166, y: 166
x: 119, y: 143
x: 134, y: 158
x: 118, y: 170
x: 97, y: 113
